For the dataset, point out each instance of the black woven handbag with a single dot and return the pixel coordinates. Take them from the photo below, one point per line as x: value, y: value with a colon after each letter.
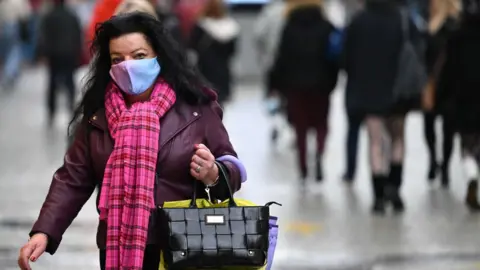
x: 215, y: 238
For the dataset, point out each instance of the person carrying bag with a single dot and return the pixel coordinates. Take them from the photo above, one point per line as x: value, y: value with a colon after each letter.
x: 411, y: 75
x: 233, y: 234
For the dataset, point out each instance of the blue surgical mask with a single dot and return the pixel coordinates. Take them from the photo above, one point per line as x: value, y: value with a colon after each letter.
x: 134, y: 77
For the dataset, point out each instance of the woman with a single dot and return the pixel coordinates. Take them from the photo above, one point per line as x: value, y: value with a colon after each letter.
x: 305, y: 76
x: 148, y: 128
x: 443, y: 21
x: 213, y: 40
x: 372, y: 48
x: 461, y: 87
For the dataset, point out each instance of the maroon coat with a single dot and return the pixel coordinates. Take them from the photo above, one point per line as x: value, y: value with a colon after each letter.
x: 84, y: 165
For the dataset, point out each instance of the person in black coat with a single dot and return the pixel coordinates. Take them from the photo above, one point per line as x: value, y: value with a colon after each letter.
x: 61, y: 44
x: 213, y: 39
x: 442, y: 22
x: 373, y: 44
x: 461, y: 85
x: 305, y: 76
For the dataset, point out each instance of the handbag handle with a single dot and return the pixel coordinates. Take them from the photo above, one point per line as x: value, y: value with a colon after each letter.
x: 223, y: 175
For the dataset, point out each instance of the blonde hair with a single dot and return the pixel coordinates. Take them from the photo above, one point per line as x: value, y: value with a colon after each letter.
x: 440, y: 11
x: 128, y: 6
x: 294, y: 4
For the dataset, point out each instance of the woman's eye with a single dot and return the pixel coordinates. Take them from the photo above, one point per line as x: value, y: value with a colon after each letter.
x: 116, y: 61
x: 140, y: 56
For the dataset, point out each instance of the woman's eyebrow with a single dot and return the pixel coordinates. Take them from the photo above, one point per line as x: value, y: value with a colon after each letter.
x: 136, y: 50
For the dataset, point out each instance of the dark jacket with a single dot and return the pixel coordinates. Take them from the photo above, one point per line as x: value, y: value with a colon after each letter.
x: 83, y: 169
x: 302, y: 63
x: 434, y: 57
x: 214, y: 42
x: 61, y: 35
x: 460, y: 74
x: 372, y: 46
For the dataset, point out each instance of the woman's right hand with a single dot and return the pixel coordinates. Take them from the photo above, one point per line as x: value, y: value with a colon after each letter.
x: 32, y: 250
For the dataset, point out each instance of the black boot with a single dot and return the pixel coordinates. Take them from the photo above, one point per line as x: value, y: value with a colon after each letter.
x: 378, y: 182
x: 318, y: 168
x: 445, y: 176
x: 471, y: 199
x: 432, y: 171
x: 393, y: 187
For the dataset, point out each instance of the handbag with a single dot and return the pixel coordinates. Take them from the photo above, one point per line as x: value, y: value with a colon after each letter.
x: 220, y: 236
x: 411, y: 74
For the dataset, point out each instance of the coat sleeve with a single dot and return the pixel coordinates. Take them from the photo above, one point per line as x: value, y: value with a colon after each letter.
x: 70, y: 189
x: 218, y: 141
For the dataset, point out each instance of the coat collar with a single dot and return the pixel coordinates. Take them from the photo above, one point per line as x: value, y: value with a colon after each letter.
x: 180, y: 116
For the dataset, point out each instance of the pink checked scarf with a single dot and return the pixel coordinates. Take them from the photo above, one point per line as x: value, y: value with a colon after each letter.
x: 127, y: 194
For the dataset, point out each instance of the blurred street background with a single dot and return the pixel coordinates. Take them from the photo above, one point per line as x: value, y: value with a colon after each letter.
x: 323, y: 225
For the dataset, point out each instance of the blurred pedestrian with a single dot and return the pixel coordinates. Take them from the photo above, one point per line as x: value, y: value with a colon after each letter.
x: 305, y: 75
x: 460, y: 86
x: 374, y: 40
x: 165, y: 13
x: 188, y: 12
x: 103, y: 10
x: 12, y: 14
x: 141, y: 125
x: 213, y: 40
x: 443, y: 21
x: 61, y: 45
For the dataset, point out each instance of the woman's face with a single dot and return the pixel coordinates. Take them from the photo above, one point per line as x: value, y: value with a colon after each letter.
x: 133, y: 46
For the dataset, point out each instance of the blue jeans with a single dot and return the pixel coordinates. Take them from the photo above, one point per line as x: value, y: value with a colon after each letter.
x: 29, y: 48
x: 10, y: 52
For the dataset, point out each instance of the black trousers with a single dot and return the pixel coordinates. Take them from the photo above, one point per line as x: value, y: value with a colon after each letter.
x: 355, y: 120
x: 431, y: 138
x: 151, y: 261
x: 60, y: 74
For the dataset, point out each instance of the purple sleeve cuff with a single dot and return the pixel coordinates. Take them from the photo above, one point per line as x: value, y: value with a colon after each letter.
x: 237, y: 163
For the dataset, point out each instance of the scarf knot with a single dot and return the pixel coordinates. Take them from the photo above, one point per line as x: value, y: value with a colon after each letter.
x: 127, y: 194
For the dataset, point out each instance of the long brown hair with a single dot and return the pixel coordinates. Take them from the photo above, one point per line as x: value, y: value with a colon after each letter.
x: 215, y: 9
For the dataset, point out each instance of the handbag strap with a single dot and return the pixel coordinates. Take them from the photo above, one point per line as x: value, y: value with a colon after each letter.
x: 223, y: 176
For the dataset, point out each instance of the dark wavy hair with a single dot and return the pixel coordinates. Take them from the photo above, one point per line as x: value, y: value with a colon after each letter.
x: 188, y: 85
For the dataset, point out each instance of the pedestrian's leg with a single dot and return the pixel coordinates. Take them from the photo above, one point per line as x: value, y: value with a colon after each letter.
x: 396, y: 130
x: 448, y: 139
x: 430, y: 138
x: 301, y: 139
x: 70, y: 85
x: 298, y: 116
x: 322, y: 130
x: 378, y: 162
x: 354, y: 123
x: 52, y: 92
x: 13, y: 59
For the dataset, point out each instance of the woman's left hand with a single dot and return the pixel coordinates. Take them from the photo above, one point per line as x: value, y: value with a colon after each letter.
x: 203, y: 167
